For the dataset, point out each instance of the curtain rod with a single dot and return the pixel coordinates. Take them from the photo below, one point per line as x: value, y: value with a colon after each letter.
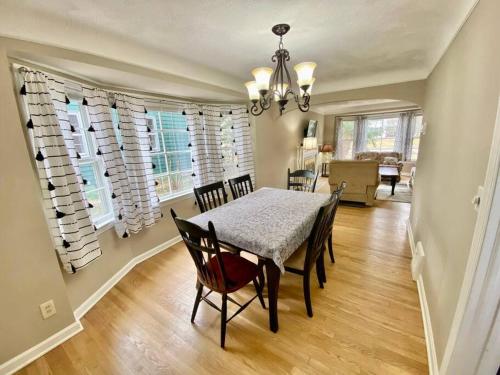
x: 21, y: 65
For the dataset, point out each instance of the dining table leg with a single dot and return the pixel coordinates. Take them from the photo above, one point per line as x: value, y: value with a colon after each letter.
x: 273, y: 282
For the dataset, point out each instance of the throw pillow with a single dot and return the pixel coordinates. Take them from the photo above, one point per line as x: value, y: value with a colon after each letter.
x: 390, y: 160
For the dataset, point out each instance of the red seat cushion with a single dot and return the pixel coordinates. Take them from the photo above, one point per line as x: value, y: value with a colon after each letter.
x: 239, y: 272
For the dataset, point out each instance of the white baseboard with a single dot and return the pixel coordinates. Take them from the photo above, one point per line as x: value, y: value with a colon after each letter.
x: 424, y: 307
x: 99, y: 293
x: 58, y: 338
x: 40, y: 349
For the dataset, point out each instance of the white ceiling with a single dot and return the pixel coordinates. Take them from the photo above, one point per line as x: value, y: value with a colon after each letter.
x: 356, y: 43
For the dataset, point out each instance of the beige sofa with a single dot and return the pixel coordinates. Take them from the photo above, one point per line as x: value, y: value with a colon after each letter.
x: 361, y: 176
x: 380, y: 157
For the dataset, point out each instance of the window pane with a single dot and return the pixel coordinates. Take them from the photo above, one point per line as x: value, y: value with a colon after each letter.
x: 161, y: 164
x: 179, y: 161
x: 163, y: 188
x: 180, y: 182
x: 172, y: 120
x: 97, y: 199
x: 176, y: 140
x: 88, y: 173
x: 345, y: 142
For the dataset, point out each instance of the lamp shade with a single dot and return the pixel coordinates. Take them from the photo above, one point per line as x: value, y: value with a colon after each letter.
x: 279, y: 91
x: 309, y: 89
x: 305, y: 72
x: 262, y: 76
x: 253, y: 91
x: 326, y: 148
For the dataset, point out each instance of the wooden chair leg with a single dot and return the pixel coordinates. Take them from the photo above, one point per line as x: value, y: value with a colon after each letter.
x: 307, y: 293
x: 258, y: 289
x: 330, y: 248
x: 262, y: 279
x: 197, y: 301
x: 223, y: 319
x: 323, y: 271
x: 319, y: 272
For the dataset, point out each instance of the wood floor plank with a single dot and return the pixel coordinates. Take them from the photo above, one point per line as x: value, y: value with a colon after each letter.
x: 367, y: 320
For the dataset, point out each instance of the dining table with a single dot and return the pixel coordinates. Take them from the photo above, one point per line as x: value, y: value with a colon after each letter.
x: 269, y: 223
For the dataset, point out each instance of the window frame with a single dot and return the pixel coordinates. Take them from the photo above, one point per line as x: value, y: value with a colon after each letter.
x: 103, y: 187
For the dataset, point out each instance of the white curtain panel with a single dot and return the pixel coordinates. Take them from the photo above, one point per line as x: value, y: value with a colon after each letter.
x: 401, y: 132
x: 108, y: 149
x: 243, y: 141
x: 203, y: 124
x: 144, y: 208
x: 360, y: 135
x: 71, y: 228
x: 408, y: 135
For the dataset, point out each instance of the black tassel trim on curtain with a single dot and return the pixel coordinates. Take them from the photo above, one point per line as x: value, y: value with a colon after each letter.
x: 39, y: 156
x: 67, y: 100
x: 50, y: 186
x: 84, y: 101
x: 29, y: 124
x: 23, y: 90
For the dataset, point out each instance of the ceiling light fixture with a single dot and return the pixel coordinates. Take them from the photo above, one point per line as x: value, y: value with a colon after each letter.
x: 280, y: 82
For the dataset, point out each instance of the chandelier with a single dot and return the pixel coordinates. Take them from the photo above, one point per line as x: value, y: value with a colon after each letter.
x: 259, y: 91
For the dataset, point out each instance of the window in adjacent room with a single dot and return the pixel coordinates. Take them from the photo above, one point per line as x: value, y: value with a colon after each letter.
x: 171, y: 153
x: 91, y: 167
x: 345, y: 141
x: 381, y: 133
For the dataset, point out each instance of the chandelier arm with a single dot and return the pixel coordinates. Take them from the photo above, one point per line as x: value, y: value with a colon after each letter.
x: 254, y: 110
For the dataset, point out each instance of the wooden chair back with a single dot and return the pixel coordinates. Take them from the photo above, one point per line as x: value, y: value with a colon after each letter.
x: 338, y: 194
x: 320, y: 233
x: 203, y: 247
x: 302, y: 180
x: 210, y: 196
x: 240, y: 186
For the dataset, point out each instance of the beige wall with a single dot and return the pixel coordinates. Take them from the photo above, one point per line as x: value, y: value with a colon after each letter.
x: 459, y: 108
x: 29, y: 270
x: 276, y: 141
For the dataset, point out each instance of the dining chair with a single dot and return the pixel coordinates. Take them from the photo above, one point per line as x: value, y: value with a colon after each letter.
x: 311, y: 252
x: 338, y: 193
x: 302, y: 180
x: 240, y: 186
x: 210, y: 196
x: 218, y: 271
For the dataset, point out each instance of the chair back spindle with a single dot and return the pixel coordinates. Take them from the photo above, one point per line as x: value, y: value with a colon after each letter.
x: 240, y: 186
x: 210, y: 196
x: 302, y: 180
x: 203, y: 246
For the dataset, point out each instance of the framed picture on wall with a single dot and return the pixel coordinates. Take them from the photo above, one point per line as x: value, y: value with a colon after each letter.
x: 311, y: 128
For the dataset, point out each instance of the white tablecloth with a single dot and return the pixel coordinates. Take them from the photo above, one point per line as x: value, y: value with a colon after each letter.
x: 271, y: 223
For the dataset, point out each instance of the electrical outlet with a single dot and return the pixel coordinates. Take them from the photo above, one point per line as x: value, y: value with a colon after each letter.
x: 48, y: 309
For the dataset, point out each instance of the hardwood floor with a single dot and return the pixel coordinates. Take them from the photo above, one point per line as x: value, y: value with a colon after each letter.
x: 366, y: 321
